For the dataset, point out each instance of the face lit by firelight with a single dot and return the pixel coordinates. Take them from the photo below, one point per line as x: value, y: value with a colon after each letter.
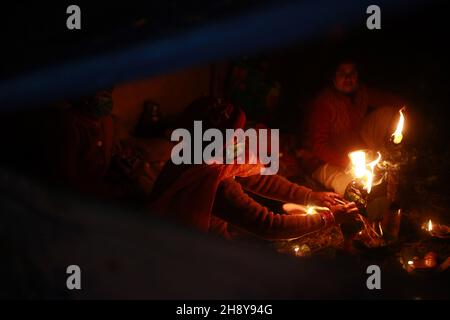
x: 346, y: 78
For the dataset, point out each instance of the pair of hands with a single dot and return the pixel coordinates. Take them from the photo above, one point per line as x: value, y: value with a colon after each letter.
x: 341, y: 209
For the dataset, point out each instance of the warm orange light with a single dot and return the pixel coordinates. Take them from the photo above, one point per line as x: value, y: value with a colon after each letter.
x: 381, y: 229
x: 430, y: 225
x: 397, y: 136
x: 362, y: 170
x: 358, y: 159
x: 371, y: 166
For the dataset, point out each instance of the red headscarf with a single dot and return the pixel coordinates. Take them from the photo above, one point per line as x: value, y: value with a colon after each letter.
x: 186, y: 193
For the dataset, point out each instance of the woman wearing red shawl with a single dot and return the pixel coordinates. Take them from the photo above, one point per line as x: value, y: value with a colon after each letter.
x: 347, y: 116
x: 211, y: 196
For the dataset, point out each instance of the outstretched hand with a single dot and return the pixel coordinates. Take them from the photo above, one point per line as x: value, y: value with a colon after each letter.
x: 325, y: 199
x: 344, y: 212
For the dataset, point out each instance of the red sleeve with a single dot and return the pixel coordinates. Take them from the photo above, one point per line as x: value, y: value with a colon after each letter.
x: 275, y: 187
x: 234, y: 206
x: 320, y: 126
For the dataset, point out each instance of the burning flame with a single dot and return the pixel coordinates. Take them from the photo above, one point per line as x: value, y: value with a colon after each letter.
x: 430, y: 225
x: 362, y: 170
x: 410, y: 262
x: 397, y: 136
x: 310, y: 210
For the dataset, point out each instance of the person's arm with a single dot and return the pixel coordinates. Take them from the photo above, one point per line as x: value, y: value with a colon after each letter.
x: 275, y: 187
x: 321, y: 135
x: 233, y: 205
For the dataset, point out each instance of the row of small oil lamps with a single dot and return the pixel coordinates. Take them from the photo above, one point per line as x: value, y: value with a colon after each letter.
x: 429, y: 261
x: 436, y: 230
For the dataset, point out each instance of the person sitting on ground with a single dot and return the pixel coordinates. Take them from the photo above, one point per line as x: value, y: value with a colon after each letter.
x: 91, y: 159
x: 347, y: 116
x: 211, y: 196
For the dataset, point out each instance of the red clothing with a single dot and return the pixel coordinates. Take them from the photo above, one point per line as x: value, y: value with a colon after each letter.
x: 186, y: 192
x: 208, y: 197
x: 235, y: 206
x: 86, y: 151
x: 336, y: 119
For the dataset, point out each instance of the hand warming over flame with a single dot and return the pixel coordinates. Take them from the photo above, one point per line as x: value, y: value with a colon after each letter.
x: 325, y: 199
x: 344, y: 212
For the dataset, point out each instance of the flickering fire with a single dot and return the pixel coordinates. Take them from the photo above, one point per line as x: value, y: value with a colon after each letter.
x: 380, y: 228
x: 310, y: 210
x: 362, y: 170
x: 430, y: 226
x: 371, y: 166
x: 294, y: 208
x: 397, y: 136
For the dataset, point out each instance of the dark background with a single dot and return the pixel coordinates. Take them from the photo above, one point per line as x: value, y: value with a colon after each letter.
x: 409, y: 56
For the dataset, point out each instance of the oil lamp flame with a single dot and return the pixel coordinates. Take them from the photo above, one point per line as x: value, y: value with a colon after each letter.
x: 381, y: 229
x: 397, y: 136
x: 358, y: 159
x: 362, y: 170
x: 310, y: 210
x: 430, y: 225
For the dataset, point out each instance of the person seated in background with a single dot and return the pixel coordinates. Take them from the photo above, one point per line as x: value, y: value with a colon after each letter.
x: 91, y: 159
x: 211, y: 196
x: 347, y: 116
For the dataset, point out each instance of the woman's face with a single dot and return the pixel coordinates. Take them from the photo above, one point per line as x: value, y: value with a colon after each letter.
x: 346, y: 78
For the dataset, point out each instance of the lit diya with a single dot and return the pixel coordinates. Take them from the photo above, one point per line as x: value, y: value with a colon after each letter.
x: 428, y: 263
x: 293, y: 208
x: 436, y: 230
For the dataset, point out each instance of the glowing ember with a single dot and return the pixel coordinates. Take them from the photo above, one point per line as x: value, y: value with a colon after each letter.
x: 362, y: 170
x: 380, y: 228
x: 397, y: 136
